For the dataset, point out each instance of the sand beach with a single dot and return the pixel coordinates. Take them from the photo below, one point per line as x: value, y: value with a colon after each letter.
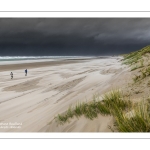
x: 31, y: 102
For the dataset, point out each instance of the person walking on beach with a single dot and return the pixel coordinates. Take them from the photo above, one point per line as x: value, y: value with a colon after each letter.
x: 26, y: 72
x: 11, y: 74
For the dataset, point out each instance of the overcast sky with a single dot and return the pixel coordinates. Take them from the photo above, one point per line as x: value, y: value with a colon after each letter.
x: 72, y: 36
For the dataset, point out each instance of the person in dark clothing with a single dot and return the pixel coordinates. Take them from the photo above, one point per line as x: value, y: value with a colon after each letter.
x: 26, y: 72
x: 11, y: 74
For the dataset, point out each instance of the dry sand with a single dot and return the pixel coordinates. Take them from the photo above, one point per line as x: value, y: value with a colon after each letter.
x: 50, y: 88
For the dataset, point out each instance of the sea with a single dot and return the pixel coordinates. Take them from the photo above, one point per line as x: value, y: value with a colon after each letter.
x: 26, y: 59
x: 14, y: 58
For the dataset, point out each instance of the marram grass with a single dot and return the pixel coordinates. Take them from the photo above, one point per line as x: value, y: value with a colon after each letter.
x: 128, y: 117
x: 144, y: 73
x: 134, y: 57
x: 112, y: 103
x: 138, y: 119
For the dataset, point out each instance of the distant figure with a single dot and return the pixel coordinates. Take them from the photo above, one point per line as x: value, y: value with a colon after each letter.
x: 26, y: 72
x: 11, y: 74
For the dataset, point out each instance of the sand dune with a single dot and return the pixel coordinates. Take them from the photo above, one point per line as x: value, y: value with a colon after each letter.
x: 50, y: 88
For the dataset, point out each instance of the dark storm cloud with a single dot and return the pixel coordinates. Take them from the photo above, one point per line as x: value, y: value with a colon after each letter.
x: 72, y: 36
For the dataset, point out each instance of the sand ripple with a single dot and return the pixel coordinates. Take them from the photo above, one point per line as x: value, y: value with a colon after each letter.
x: 24, y: 86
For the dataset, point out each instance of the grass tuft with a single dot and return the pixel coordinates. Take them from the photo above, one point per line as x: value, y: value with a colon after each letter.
x: 128, y: 117
x: 137, y: 121
x: 112, y: 103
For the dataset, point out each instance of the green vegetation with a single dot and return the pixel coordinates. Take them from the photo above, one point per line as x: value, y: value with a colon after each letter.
x: 143, y: 74
x: 134, y: 67
x: 138, y: 119
x: 141, y: 62
x: 136, y: 78
x: 112, y: 102
x: 135, y: 59
x: 128, y: 117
